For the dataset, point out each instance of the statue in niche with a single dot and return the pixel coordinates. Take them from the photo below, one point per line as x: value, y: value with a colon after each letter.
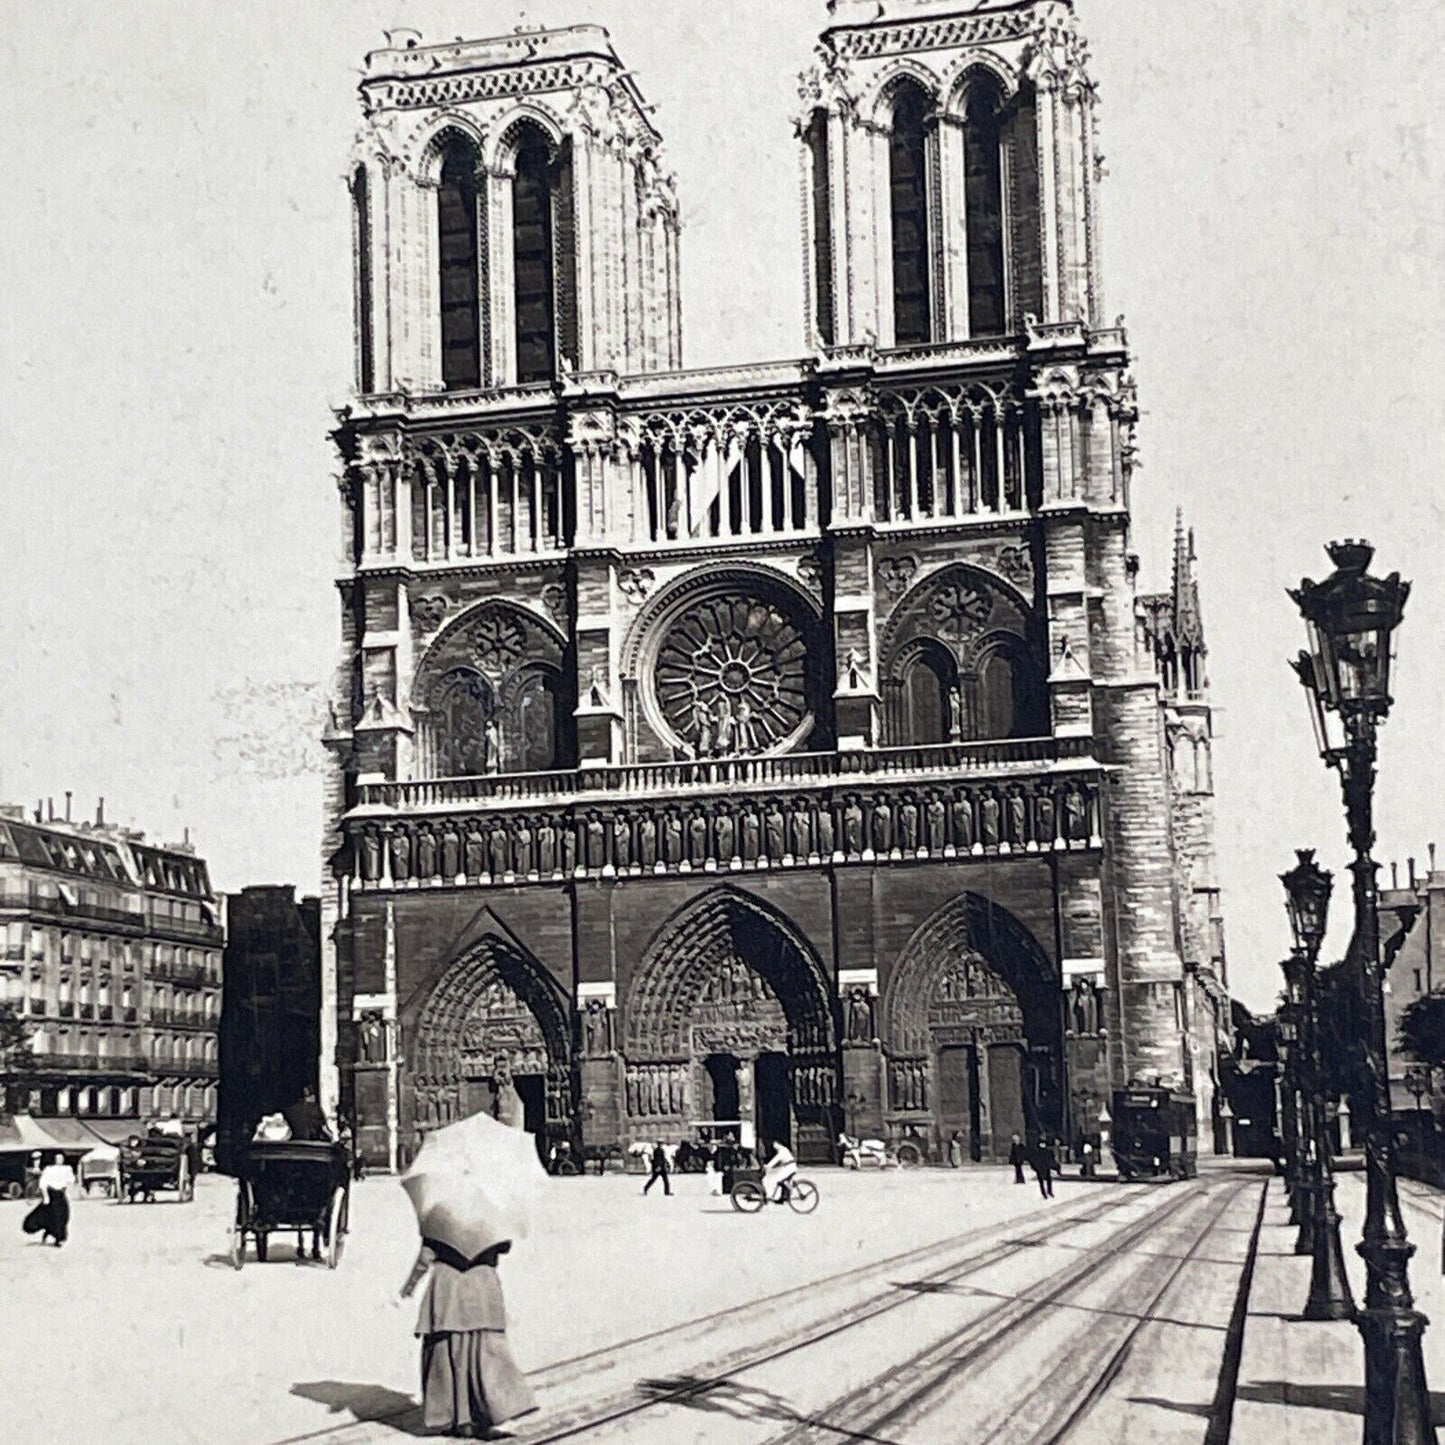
x: 506, y: 1101
x: 745, y: 730
x: 823, y: 818
x: 546, y: 847
x: 1017, y: 819
x: 882, y: 826
x: 955, y: 715
x: 371, y: 1039
x: 935, y: 823
x: 622, y: 842
x: 476, y: 852
x: 860, y: 1016
x: 1044, y: 820
x: 671, y: 839
x: 1084, y: 1006
x: 675, y: 1090
x: 908, y: 825
x: 592, y: 1027
x: 697, y: 839
x: 501, y: 849
x: 596, y: 689
x: 752, y: 835
x: 522, y: 848
x: 773, y: 826
x: 852, y: 828
x: 800, y: 839
x: 596, y: 842
x: 701, y: 729
x: 963, y: 831
x: 370, y: 856
x: 722, y: 830
x: 1076, y: 816
x: 647, y: 840
x: 400, y: 856
x: 853, y: 671
x: 426, y: 854
x: 724, y: 732
x: 451, y: 851
x: 568, y: 834
x: 492, y: 745
x: 989, y: 812
x: 633, y: 1108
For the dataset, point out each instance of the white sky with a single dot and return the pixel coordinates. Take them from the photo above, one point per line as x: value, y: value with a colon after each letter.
x: 175, y: 324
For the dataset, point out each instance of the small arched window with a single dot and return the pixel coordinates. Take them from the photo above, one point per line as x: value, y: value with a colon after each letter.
x: 983, y: 205
x: 361, y: 206
x: 457, y: 261
x: 1010, y: 699
x: 908, y: 207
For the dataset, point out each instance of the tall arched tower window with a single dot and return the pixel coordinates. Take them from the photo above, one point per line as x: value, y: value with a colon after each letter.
x: 361, y: 207
x: 983, y: 206
x: 532, y: 261
x: 908, y: 205
x: 457, y: 257
x: 817, y: 143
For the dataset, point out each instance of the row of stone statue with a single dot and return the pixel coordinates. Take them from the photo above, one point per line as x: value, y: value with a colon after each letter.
x: 909, y: 1084
x: 720, y: 833
x: 656, y: 1090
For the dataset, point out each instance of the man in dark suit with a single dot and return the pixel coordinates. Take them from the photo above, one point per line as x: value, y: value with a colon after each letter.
x: 305, y: 1119
x: 659, y: 1170
x: 1018, y: 1157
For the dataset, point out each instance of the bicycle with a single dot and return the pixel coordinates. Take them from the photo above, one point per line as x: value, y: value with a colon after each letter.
x: 800, y: 1195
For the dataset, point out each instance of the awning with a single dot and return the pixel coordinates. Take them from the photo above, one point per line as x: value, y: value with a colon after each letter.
x: 29, y: 1135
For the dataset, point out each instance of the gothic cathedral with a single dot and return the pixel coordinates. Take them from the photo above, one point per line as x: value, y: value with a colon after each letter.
x: 783, y: 745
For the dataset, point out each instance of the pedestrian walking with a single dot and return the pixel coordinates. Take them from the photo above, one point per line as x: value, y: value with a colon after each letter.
x: 1018, y: 1157
x: 50, y: 1219
x: 1044, y: 1169
x: 1086, y: 1170
x: 955, y: 1151
x: 659, y: 1170
x: 470, y: 1381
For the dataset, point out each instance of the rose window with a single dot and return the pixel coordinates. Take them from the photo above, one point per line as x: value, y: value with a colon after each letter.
x: 730, y: 678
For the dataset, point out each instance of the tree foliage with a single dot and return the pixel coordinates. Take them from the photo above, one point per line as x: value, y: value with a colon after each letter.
x: 15, y: 1054
x: 1341, y: 1028
x: 1422, y: 1029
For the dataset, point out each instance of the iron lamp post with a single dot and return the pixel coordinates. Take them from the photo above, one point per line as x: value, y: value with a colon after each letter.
x: 1351, y: 618
x: 1290, y: 1115
x: 1307, y: 894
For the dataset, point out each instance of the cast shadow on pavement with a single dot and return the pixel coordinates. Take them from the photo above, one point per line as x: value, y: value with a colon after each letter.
x: 722, y: 1396
x: 1346, y: 1399
x: 372, y: 1404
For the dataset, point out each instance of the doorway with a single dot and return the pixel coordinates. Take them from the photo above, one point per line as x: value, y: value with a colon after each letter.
x: 722, y: 1073
x: 958, y: 1097
x: 532, y: 1089
x: 774, y: 1093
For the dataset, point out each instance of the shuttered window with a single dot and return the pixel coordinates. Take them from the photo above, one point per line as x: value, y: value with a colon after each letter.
x: 908, y: 192
x: 983, y: 205
x: 457, y: 252
x: 533, y: 265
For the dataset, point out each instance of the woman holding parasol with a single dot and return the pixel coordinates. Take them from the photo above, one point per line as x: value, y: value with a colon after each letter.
x: 471, y: 1185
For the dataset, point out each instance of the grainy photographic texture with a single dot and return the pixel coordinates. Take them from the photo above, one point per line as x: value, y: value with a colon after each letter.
x: 618, y: 538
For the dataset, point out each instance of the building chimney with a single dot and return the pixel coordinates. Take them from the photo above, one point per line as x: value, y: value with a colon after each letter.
x: 1394, y: 875
x: 100, y: 814
x: 1432, y: 857
x: 67, y: 805
x: 186, y: 837
x: 39, y: 810
x: 1411, y: 862
x: 50, y: 810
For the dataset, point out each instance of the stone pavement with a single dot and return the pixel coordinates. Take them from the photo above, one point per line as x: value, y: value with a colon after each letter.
x: 1303, y: 1381
x: 907, y: 1304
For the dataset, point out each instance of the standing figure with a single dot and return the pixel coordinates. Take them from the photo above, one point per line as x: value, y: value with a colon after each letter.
x: 1018, y: 1157
x: 1044, y: 1168
x: 470, y: 1381
x: 773, y: 826
x: 492, y: 745
x: 659, y: 1170
x: 724, y: 732
x: 701, y: 729
x: 722, y: 829
x: 50, y: 1219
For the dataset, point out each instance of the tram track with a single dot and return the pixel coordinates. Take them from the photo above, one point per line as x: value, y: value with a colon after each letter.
x: 878, y: 1410
x: 725, y: 1371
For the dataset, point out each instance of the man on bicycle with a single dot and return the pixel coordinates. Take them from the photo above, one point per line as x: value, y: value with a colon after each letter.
x: 778, y: 1172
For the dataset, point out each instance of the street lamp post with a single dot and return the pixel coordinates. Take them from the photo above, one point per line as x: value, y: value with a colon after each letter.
x: 1292, y: 1118
x: 1307, y: 892
x: 1351, y: 618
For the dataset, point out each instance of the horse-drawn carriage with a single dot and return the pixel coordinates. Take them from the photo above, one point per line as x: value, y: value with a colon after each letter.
x: 159, y: 1160
x: 292, y: 1185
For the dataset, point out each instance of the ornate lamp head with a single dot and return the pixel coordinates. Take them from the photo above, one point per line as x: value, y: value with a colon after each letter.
x: 1350, y: 617
x: 1307, y: 897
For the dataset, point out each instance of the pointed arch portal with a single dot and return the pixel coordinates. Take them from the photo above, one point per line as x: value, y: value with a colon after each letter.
x: 972, y: 1028
x: 493, y: 1036
x: 731, y: 1010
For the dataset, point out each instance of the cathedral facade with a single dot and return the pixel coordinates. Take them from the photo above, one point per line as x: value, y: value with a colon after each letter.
x: 783, y: 744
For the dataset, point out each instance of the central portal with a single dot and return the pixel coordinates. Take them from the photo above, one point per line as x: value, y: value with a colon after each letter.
x: 728, y: 1022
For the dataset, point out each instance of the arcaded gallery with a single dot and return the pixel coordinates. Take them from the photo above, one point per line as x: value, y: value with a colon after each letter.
x: 786, y: 744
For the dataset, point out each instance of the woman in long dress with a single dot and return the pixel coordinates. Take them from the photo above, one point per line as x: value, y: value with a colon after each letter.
x: 470, y: 1382
x: 50, y: 1219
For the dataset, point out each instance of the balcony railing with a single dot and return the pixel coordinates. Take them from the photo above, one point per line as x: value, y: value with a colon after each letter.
x: 52, y: 1062
x: 185, y: 975
x: 33, y: 901
x: 187, y: 928
x: 508, y: 790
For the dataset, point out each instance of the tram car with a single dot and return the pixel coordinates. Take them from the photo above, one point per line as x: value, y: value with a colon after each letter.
x: 1155, y: 1134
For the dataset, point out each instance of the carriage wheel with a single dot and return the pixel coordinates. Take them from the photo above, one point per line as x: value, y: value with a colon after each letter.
x: 237, y: 1246
x: 261, y: 1245
x: 336, y: 1229
x: 748, y: 1197
x: 14, y: 1190
x: 803, y: 1196
x: 184, y: 1183
x: 910, y: 1156
x: 568, y: 1170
